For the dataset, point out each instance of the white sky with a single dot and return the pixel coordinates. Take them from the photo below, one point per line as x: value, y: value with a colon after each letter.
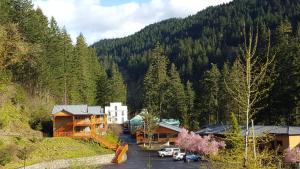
x: 99, y: 21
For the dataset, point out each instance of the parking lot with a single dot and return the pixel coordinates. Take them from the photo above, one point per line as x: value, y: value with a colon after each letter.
x: 140, y: 159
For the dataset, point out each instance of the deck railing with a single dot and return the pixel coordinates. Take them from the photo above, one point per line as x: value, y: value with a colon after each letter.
x: 63, y: 134
x: 82, y: 122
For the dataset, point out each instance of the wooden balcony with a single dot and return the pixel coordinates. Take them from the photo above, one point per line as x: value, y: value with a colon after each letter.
x: 82, y: 122
x: 100, y: 120
x: 63, y: 134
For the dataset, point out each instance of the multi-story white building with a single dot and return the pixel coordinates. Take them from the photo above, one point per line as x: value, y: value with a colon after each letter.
x: 116, y: 113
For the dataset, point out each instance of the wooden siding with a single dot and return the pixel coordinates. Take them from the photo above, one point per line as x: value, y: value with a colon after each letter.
x: 161, y: 135
x: 67, y: 125
x: 294, y: 141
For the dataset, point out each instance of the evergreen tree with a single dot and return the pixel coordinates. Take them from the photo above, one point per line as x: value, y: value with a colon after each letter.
x: 176, y: 103
x: 155, y: 83
x: 211, y: 91
x: 12, y: 47
x: 285, y: 111
x: 191, y: 117
x: 116, y: 86
x: 103, y: 89
x: 234, y: 83
x: 224, y: 97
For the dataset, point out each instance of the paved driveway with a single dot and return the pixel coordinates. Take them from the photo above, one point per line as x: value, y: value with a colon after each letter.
x: 139, y: 159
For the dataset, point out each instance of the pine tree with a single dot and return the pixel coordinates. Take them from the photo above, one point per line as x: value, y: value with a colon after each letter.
x: 224, y: 97
x: 211, y: 91
x: 155, y: 82
x: 191, y: 117
x: 116, y: 86
x: 235, y: 83
x: 12, y: 47
x: 176, y: 103
x: 103, y: 89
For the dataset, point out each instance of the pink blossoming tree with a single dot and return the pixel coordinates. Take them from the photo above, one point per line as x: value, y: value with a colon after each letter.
x: 196, y: 143
x: 292, y: 155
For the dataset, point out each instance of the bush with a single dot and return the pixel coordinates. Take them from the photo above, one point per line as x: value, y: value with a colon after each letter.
x: 116, y: 129
x: 6, y: 154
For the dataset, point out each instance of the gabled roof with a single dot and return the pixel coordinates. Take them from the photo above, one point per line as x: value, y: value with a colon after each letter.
x: 78, y: 109
x: 172, y: 127
x: 259, y: 130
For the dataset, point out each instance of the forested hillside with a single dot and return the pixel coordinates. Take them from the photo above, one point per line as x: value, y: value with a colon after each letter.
x: 39, y: 67
x: 204, y: 48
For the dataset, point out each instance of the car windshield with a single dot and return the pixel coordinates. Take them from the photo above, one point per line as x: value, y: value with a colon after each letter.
x: 163, y: 149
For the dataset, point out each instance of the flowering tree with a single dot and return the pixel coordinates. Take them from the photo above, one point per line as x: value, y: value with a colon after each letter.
x: 196, y: 143
x: 292, y: 155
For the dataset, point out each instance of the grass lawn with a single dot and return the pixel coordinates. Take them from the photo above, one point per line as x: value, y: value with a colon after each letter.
x: 112, y: 138
x: 60, y: 148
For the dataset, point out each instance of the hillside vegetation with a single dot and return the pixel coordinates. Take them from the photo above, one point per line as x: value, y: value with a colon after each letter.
x: 40, y: 67
x: 201, y: 45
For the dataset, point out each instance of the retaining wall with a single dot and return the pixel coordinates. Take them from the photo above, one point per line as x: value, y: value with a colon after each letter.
x: 65, y: 163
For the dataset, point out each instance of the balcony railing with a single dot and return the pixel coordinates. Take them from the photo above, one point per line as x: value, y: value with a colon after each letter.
x: 82, y: 122
x: 63, y: 134
x: 88, y: 122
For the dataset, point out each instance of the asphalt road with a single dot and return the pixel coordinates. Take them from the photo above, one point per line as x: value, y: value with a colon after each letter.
x: 140, y: 159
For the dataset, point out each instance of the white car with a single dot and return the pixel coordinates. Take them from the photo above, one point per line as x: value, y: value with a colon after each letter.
x: 168, y: 151
x: 178, y: 156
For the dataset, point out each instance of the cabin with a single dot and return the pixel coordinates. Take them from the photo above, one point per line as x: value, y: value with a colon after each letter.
x: 284, y: 136
x: 78, y: 121
x: 165, y: 133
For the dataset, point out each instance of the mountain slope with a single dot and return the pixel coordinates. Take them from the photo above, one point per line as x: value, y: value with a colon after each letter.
x: 193, y: 43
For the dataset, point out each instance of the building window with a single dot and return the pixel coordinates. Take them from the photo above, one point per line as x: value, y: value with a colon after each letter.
x: 116, y: 113
x: 108, y: 113
x: 116, y: 119
x: 122, y: 119
x: 109, y: 119
x: 116, y: 107
x: 123, y: 113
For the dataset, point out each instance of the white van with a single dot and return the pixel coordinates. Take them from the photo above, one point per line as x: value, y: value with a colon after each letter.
x: 168, y: 151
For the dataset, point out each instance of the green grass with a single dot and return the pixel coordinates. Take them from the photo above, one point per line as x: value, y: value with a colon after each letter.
x: 60, y: 148
x: 112, y: 138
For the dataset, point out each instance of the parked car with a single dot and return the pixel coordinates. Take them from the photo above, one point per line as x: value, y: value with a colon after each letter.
x: 178, y: 156
x: 168, y: 151
x: 191, y: 157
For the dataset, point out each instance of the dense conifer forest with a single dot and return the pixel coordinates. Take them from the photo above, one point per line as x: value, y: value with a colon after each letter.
x: 40, y: 66
x: 197, y: 55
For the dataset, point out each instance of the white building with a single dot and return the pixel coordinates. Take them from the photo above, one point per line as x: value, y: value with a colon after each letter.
x: 116, y: 113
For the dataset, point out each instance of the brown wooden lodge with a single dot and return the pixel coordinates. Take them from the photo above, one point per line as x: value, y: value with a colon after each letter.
x: 165, y: 133
x: 78, y: 121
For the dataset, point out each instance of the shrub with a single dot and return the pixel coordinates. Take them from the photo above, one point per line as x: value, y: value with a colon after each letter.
x: 23, y: 154
x: 6, y: 154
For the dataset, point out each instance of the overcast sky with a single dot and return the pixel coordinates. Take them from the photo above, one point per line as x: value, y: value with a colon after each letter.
x: 100, y: 19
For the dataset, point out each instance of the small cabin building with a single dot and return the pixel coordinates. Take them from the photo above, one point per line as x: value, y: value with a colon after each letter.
x: 165, y: 133
x: 78, y: 121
